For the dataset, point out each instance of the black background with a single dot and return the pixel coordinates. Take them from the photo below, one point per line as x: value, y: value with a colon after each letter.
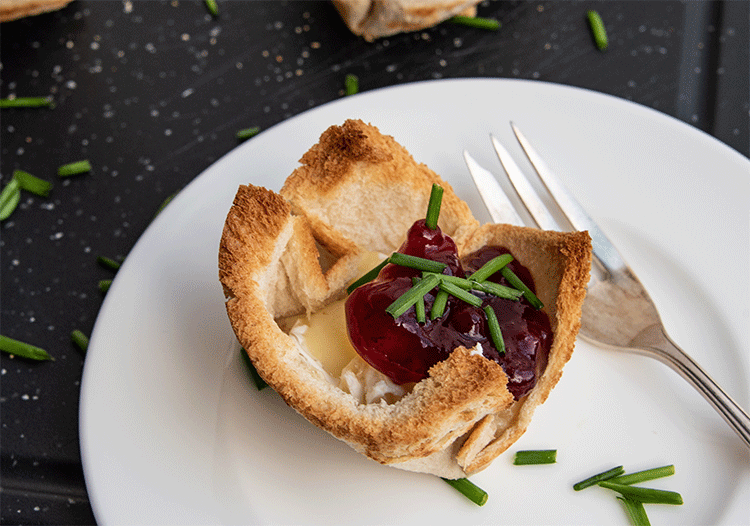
x: 152, y: 93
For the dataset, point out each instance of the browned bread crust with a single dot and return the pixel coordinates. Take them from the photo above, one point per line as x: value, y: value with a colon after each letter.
x: 462, y: 416
x: 373, y: 19
x: 15, y: 9
x: 560, y: 263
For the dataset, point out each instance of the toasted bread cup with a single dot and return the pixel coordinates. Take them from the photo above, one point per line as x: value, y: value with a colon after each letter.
x: 373, y: 19
x: 293, y: 252
x: 15, y: 9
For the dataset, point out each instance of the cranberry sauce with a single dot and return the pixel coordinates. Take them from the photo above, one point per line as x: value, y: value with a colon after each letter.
x: 429, y: 244
x: 526, y: 330
x: 404, y: 349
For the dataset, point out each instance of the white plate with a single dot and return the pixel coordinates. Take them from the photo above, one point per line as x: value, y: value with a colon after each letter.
x: 172, y: 432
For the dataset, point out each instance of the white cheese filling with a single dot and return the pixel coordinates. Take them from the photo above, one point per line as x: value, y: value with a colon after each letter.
x: 323, y: 340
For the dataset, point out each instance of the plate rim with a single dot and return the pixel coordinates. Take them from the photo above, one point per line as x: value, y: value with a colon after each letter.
x: 165, y: 217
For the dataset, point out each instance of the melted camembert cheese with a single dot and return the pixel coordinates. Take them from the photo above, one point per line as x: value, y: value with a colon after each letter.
x: 323, y: 337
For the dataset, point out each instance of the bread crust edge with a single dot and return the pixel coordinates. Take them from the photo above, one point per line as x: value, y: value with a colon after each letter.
x: 463, y: 407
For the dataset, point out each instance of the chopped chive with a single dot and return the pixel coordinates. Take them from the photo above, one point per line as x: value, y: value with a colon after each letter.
x: 433, y: 208
x: 476, y: 21
x: 411, y: 296
x: 75, y: 168
x: 32, y: 184
x: 604, y: 475
x: 247, y: 133
x: 636, y: 512
x: 535, y: 456
x: 460, y: 282
x: 259, y: 382
x: 26, y: 102
x: 419, y: 305
x: 24, y: 350
x: 368, y: 277
x: 516, y: 282
x: 494, y: 327
x: 80, y: 339
x: 9, y: 198
x: 470, y: 490
x: 164, y: 204
x: 458, y: 292
x: 212, y: 7
x: 104, y: 285
x: 109, y: 263
x: 489, y: 287
x: 645, y: 475
x: 492, y: 266
x: 415, y: 262
x: 598, y: 30
x: 351, y: 83
x: 645, y: 495
x: 498, y: 290
x: 439, y: 304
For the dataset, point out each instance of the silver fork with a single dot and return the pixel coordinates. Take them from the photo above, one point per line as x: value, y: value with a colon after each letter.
x: 618, y: 312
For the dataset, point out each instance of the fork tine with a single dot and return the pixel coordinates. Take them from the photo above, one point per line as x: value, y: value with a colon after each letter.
x: 495, y: 200
x: 603, y: 249
x: 525, y: 191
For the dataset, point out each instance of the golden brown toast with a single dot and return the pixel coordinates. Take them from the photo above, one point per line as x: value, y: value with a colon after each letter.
x: 15, y: 9
x: 292, y: 252
x: 373, y: 19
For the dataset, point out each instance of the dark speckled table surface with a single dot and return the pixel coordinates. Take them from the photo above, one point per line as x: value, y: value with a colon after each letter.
x: 152, y: 93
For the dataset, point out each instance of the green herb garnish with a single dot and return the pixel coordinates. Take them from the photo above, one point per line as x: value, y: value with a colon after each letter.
x: 645, y: 475
x: 633, y: 497
x: 419, y: 307
x: 75, y: 168
x: 247, y: 133
x: 476, y: 21
x: 458, y: 292
x: 11, y: 194
x: 535, y: 456
x: 109, y: 263
x: 80, y: 339
x: 433, y: 207
x: 492, y: 266
x: 32, y: 184
x: 417, y: 263
x: 496, y: 334
x: 604, y: 475
x: 24, y: 350
x: 636, y: 511
x: 212, y: 7
x: 459, y: 282
x: 9, y: 198
x: 411, y: 296
x: 501, y: 291
x: 26, y: 102
x: 164, y: 204
x: 104, y: 285
x: 598, y: 30
x: 351, y: 84
x: 516, y: 282
x: 470, y: 490
x: 259, y: 382
x: 439, y: 304
x: 489, y: 287
x: 645, y: 495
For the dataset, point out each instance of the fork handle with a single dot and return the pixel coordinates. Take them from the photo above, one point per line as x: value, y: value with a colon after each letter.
x: 655, y: 341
